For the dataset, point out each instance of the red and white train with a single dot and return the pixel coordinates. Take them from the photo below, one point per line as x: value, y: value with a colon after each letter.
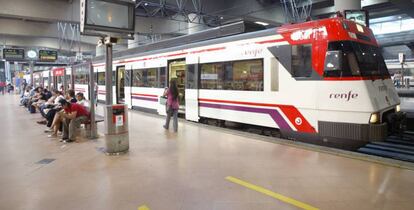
x: 322, y: 81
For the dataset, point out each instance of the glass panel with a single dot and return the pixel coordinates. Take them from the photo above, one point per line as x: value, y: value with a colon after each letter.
x: 145, y: 77
x: 191, y: 77
x: 357, y: 60
x: 210, y: 76
x: 248, y: 75
x: 101, y: 78
x: 238, y: 75
x: 128, y: 78
x: 162, y: 77
x: 302, y: 60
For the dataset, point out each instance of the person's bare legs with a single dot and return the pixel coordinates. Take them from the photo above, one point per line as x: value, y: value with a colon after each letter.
x: 56, y: 123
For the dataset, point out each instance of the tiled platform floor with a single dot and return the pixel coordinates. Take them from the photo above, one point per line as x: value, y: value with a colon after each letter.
x: 184, y: 171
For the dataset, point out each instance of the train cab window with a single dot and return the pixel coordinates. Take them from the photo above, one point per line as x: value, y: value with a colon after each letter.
x: 354, y: 59
x: 302, y: 60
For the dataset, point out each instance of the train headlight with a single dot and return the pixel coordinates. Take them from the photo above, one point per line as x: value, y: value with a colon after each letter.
x: 397, y: 108
x: 375, y: 117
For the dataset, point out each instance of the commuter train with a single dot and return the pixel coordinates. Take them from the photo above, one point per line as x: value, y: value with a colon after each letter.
x: 323, y: 82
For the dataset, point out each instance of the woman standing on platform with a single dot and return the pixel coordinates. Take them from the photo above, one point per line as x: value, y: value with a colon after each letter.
x: 172, y: 105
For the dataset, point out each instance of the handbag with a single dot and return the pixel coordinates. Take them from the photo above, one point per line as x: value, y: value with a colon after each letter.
x: 163, y: 100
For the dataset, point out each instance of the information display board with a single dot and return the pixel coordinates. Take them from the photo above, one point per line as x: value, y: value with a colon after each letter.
x: 359, y: 16
x: 48, y: 55
x: 108, y: 15
x: 13, y: 54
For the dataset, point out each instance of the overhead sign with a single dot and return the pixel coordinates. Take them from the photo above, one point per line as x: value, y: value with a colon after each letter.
x: 48, y: 55
x: 107, y: 15
x: 13, y: 54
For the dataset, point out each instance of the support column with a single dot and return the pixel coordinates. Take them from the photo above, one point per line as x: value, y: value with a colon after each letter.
x: 108, y: 74
x: 341, y: 5
x: 31, y: 67
x: 49, y: 80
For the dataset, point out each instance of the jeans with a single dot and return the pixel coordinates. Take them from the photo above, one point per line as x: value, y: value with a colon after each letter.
x: 174, y: 113
x: 70, y: 126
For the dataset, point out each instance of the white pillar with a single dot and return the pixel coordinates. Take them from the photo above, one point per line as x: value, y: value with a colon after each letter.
x: 341, y: 5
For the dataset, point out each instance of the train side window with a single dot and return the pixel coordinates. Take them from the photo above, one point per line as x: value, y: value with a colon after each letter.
x: 302, y: 60
x: 145, y: 77
x: 128, y: 78
x: 192, y: 76
x: 162, y: 77
x: 210, y: 76
x: 248, y: 75
x: 237, y: 75
x: 101, y: 78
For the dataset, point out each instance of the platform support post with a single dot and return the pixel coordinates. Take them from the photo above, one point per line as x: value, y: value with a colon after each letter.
x: 94, y: 133
x: 108, y: 73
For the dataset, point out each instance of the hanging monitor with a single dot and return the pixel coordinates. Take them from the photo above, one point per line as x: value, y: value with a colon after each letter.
x: 359, y: 16
x: 112, y: 16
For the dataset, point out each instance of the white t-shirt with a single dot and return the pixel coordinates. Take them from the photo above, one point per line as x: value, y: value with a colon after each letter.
x: 58, y: 99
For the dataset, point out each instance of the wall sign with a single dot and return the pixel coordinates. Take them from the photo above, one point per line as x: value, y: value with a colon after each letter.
x: 48, y: 55
x: 13, y: 54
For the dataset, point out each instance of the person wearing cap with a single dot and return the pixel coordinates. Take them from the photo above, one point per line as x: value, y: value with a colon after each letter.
x: 72, y: 117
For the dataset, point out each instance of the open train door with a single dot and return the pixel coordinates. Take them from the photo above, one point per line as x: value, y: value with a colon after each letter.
x: 191, y: 89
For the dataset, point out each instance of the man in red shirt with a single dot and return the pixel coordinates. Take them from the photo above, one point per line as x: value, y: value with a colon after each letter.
x: 73, y: 116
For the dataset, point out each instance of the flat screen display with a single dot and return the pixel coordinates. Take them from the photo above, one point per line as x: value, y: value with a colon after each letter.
x: 109, y: 15
x: 48, y: 55
x: 358, y: 16
x: 13, y: 54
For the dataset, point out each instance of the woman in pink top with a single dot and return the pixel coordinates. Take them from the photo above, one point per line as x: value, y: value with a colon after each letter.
x: 172, y: 105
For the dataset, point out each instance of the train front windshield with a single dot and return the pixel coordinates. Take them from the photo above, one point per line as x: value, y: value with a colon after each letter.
x: 350, y: 59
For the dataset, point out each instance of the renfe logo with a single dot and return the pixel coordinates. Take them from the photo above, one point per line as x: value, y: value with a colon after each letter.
x: 347, y: 96
x: 306, y: 34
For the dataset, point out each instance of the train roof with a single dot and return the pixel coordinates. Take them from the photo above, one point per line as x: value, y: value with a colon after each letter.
x: 231, y: 32
x: 330, y: 28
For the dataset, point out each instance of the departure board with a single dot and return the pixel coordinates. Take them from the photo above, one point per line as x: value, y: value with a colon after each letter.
x: 48, y: 55
x: 13, y: 54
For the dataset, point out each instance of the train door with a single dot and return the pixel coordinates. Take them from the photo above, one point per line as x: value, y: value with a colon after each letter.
x: 176, y: 71
x: 120, y: 84
x: 192, y: 90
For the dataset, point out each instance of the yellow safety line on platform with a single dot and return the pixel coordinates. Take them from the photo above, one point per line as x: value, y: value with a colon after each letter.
x: 272, y: 194
x: 144, y: 207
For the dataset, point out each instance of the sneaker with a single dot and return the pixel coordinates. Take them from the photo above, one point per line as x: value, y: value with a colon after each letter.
x: 53, y: 135
x: 64, y: 139
x: 165, y: 127
x: 67, y: 141
x: 48, y: 130
x: 42, y: 122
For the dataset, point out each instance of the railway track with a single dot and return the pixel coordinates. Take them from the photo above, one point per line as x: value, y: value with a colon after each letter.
x: 395, y: 147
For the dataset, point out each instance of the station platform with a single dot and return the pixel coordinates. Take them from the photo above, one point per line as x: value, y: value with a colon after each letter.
x: 198, y: 168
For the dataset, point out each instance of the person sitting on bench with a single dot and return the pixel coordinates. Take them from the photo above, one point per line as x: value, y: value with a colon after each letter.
x: 72, y: 117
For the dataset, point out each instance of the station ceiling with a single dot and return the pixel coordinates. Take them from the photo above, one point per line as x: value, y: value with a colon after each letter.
x: 35, y: 22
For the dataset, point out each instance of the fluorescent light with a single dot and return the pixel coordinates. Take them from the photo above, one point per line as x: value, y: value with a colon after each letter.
x: 262, y: 23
